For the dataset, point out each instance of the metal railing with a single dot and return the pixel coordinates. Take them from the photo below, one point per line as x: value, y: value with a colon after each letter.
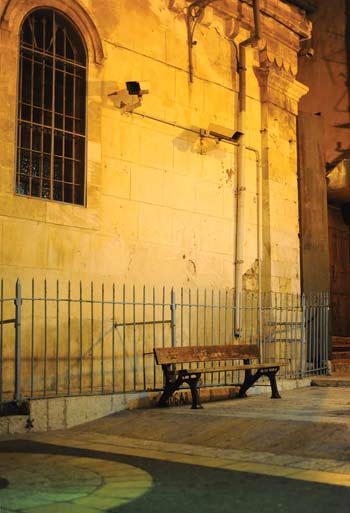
x: 63, y: 339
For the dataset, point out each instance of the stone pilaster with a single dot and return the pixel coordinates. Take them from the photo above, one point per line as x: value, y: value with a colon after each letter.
x: 280, y: 93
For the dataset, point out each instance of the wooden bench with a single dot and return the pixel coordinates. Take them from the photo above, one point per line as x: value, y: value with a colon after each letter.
x: 174, y: 378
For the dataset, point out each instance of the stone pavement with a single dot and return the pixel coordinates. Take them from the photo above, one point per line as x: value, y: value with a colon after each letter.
x: 252, y: 455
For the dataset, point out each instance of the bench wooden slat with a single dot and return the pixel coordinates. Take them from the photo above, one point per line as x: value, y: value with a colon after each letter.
x: 237, y: 367
x: 168, y: 355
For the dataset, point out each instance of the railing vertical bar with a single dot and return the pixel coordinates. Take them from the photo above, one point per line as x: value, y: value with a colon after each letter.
x: 154, y: 334
x: 68, y: 338
x: 240, y: 314
x: 197, y: 316
x: 205, y: 342
x: 182, y: 316
x: 92, y: 336
x: 124, y: 338
x: 219, y: 316
x: 327, y: 312
x: 308, y: 327
x: 279, y: 303
x: 212, y: 319
x: 32, y: 356
x: 313, y: 331
x: 272, y: 318
x: 302, y: 337
x: 252, y: 325
x: 287, y: 342
x: 246, y: 313
x: 233, y: 317
x: 102, y: 338
x: 317, y: 333
x: 1, y: 335
x: 80, y: 337
x: 163, y: 316
x: 226, y: 307
x: 326, y: 335
x: 45, y: 337
x: 320, y: 332
x: 57, y: 335
x: 173, y: 317
x: 293, y: 333
x: 113, y: 337
x: 18, y: 335
x: 263, y: 334
x: 323, y: 335
x: 144, y: 335
x: 134, y: 334
x: 239, y: 327
x: 317, y: 301
x: 189, y: 317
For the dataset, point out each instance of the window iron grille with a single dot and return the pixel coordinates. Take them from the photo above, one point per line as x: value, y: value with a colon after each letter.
x: 51, y: 109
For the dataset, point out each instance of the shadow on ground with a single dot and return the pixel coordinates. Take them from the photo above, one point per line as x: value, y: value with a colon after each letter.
x: 183, y: 487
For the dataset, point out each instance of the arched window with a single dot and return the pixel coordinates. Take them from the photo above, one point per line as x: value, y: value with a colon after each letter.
x: 51, y: 109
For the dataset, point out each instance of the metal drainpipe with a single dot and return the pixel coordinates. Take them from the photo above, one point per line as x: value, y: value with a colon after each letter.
x: 241, y: 167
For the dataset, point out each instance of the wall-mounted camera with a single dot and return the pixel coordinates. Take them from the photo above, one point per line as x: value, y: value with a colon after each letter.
x: 138, y: 88
x: 222, y: 132
x: 130, y: 97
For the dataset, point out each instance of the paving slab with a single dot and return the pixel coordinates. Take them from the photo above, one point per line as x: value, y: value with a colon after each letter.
x: 251, y: 455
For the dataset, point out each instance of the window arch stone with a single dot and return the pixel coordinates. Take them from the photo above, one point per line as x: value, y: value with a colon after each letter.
x: 14, y: 11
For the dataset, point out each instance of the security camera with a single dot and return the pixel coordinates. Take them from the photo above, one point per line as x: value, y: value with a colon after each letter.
x: 222, y: 132
x: 137, y: 88
x: 130, y: 97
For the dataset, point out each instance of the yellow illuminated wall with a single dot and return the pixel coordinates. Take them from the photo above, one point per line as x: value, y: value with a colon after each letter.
x: 161, y: 203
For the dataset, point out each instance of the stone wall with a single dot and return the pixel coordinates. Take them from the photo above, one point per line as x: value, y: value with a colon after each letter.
x: 161, y: 206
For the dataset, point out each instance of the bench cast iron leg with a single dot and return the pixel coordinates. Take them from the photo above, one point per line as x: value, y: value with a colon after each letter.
x: 193, y: 382
x: 249, y: 380
x: 273, y: 383
x: 169, y: 388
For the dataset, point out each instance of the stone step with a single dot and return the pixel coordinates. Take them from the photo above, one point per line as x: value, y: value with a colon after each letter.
x: 340, y: 341
x: 335, y: 380
x: 341, y: 349
x: 341, y: 355
x: 342, y: 366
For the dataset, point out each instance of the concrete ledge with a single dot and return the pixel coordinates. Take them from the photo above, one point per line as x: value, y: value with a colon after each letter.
x: 65, y: 412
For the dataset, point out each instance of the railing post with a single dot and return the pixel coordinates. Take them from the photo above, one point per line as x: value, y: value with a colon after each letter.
x: 302, y: 335
x: 18, y: 305
x: 173, y: 318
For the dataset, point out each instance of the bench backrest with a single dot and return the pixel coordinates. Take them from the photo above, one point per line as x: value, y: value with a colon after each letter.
x: 166, y: 355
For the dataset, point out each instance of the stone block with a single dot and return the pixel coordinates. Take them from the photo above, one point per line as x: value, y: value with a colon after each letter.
x: 156, y: 148
x: 17, y: 424
x: 4, y: 426
x: 16, y: 252
x: 69, y: 249
x: 147, y: 185
x: 39, y: 414
x: 155, y: 224
x: 216, y: 235
x: 179, y: 192
x: 56, y: 413
x: 119, y: 218
x: 209, y: 199
x: 116, y: 176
